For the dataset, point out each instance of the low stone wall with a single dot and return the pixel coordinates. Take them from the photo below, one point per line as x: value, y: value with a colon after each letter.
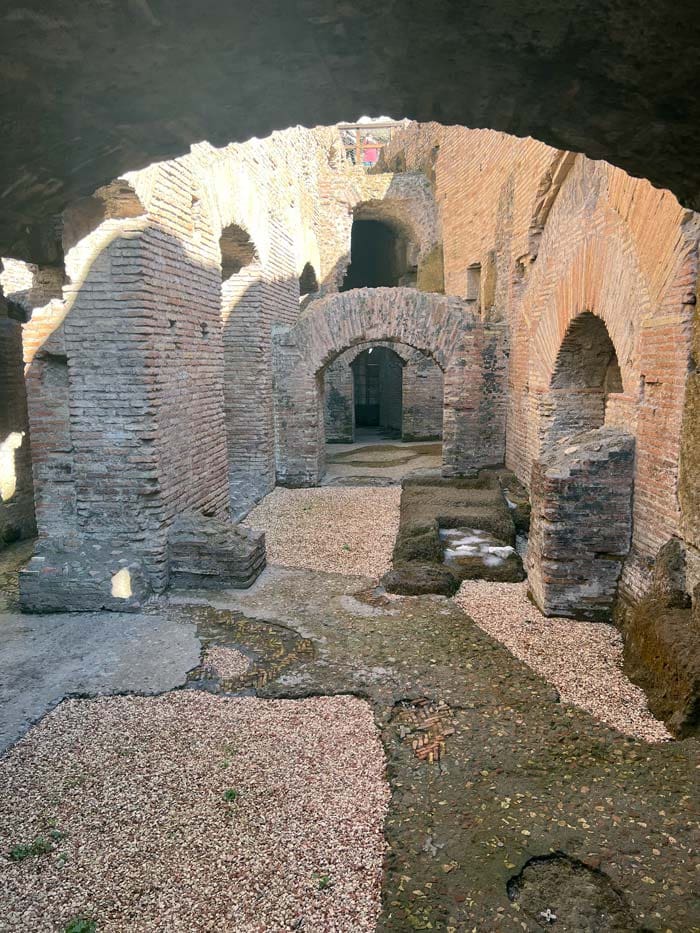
x: 207, y: 553
x: 476, y: 506
x: 581, y: 524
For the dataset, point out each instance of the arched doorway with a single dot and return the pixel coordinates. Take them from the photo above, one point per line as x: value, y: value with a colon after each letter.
x: 442, y: 327
x: 581, y: 486
x: 421, y: 394
x: 377, y: 380
x: 585, y: 381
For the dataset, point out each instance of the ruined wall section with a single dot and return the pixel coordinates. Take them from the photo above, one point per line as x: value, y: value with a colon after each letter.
x: 270, y: 190
x: 403, y: 201
x: 16, y: 486
x: 28, y: 288
x: 181, y: 280
x: 125, y: 380
x: 556, y: 235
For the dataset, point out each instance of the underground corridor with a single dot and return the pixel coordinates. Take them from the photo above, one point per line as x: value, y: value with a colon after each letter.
x: 349, y: 539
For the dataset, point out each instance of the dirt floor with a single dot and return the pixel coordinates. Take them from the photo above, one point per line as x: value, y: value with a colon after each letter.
x: 511, y: 809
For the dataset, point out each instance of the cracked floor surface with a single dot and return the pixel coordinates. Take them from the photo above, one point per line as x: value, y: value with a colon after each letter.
x: 520, y: 776
x: 522, y: 793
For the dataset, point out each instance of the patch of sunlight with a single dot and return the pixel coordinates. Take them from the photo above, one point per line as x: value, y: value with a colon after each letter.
x: 8, y: 474
x: 121, y: 584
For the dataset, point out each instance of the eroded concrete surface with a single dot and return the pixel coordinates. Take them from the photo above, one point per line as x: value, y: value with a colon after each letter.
x: 515, y: 775
x: 47, y: 657
x: 491, y: 775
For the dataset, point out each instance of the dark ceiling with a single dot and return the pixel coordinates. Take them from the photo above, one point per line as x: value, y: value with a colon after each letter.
x: 92, y: 88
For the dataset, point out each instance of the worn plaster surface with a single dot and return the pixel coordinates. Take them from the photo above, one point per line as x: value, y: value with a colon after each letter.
x: 45, y: 658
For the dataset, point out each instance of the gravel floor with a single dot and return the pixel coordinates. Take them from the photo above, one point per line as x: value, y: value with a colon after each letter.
x: 226, y: 663
x: 348, y: 530
x: 583, y: 660
x: 190, y: 812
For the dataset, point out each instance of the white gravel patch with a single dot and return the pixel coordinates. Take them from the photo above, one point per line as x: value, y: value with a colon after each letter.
x: 225, y: 663
x: 151, y: 843
x: 583, y: 660
x: 349, y: 530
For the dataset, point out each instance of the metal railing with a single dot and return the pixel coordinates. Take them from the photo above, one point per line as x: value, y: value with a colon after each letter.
x: 363, y: 142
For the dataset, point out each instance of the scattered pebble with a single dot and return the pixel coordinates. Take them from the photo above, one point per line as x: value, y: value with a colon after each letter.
x: 190, y: 812
x: 349, y: 530
x: 225, y: 663
x: 583, y: 660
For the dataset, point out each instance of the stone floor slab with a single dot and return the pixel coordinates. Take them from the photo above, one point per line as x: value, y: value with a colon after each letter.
x: 47, y: 657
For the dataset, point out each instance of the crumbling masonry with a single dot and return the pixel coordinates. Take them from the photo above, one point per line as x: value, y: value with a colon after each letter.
x: 190, y: 343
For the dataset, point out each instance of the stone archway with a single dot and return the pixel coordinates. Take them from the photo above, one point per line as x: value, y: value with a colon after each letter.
x: 470, y: 354
x: 421, y: 394
x: 581, y: 486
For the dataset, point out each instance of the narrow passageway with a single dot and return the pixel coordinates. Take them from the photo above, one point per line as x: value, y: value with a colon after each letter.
x: 349, y: 567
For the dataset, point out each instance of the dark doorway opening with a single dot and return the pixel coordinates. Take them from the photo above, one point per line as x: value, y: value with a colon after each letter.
x: 377, y: 378
x: 378, y: 256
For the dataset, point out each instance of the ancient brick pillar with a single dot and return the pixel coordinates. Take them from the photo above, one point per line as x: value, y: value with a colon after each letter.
x: 581, y: 523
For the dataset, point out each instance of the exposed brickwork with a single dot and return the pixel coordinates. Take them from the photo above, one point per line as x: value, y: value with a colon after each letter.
x: 26, y: 287
x: 557, y: 235
x: 16, y: 487
x: 581, y: 523
x: 149, y: 377
x: 470, y: 353
x: 152, y: 388
x: 206, y: 552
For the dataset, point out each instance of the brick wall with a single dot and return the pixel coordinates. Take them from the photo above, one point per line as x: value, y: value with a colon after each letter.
x: 422, y: 399
x: 26, y: 286
x: 470, y: 353
x: 556, y: 235
x: 16, y: 487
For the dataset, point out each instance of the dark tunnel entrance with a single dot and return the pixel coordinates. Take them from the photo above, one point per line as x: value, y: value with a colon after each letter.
x: 377, y: 377
x: 378, y: 256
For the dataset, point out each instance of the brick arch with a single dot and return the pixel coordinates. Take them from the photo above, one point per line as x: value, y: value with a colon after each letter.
x: 586, y: 384
x: 603, y: 279
x: 470, y: 354
x: 434, y: 324
x: 400, y: 214
x: 600, y: 277
x: 548, y: 189
x: 403, y: 351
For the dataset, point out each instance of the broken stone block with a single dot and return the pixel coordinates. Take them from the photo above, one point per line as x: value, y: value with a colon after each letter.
x: 581, y: 524
x: 207, y: 552
x: 79, y: 576
x: 416, y: 578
